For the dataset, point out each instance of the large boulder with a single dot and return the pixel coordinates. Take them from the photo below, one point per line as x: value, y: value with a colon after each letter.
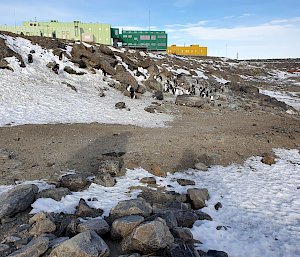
x: 131, y: 207
x: 86, y: 244
x: 198, y: 196
x: 35, y: 248
x: 54, y: 193
x: 75, y: 182
x: 84, y: 210
x: 149, y: 237
x: 152, y: 84
x: 41, y: 224
x: 17, y: 199
x: 126, y: 78
x: 191, y: 101
x: 100, y: 226
x: 123, y: 226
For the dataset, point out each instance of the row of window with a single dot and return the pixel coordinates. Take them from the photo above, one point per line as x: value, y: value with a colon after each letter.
x: 146, y: 37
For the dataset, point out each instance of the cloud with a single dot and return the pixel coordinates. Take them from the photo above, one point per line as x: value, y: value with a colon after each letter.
x: 272, y: 39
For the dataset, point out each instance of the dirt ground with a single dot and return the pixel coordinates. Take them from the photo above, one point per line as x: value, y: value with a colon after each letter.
x: 211, y: 137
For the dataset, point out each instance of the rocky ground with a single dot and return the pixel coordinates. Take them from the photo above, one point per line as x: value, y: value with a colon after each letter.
x: 228, y: 128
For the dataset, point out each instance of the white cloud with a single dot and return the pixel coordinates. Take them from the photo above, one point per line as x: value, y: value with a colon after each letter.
x: 271, y: 40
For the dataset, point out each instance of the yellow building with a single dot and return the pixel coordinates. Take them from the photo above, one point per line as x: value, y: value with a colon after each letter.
x: 193, y: 50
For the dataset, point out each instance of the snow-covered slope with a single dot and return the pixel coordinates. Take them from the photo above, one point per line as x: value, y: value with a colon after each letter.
x: 36, y: 95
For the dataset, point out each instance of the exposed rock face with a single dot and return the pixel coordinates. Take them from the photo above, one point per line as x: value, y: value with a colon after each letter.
x: 125, y: 78
x: 35, y: 248
x: 148, y: 237
x: 41, y: 224
x: 83, y: 210
x: 191, y: 101
x: 86, y: 244
x: 17, y: 199
x: 131, y: 207
x: 75, y: 182
x: 54, y: 193
x: 198, y: 196
x: 100, y: 226
x: 123, y: 226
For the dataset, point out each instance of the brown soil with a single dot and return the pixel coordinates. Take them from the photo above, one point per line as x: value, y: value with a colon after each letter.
x: 212, y: 137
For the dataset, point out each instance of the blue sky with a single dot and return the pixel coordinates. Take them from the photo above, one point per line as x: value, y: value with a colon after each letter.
x: 251, y: 28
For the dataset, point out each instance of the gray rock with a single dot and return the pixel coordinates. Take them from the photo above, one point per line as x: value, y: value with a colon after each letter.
x: 105, y: 180
x: 203, y: 215
x: 184, y: 234
x: 120, y: 105
x: 86, y: 244
x: 213, y: 253
x: 113, y: 167
x: 100, y: 226
x: 75, y: 182
x: 17, y: 199
x: 57, y: 241
x: 198, y: 196
x: 182, y: 250
x: 186, y: 218
x: 158, y: 95
x: 148, y: 237
x: 11, y: 239
x: 131, y: 207
x: 191, y: 101
x: 201, y: 166
x: 54, y: 193
x: 131, y: 255
x: 167, y: 215
x: 35, y: 248
x: 3, y: 248
x: 153, y: 84
x: 83, y: 210
x: 123, y: 226
x: 185, y: 182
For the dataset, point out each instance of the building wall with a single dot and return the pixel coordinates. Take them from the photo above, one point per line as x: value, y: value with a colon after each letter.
x: 150, y: 40
x: 99, y: 33
x: 193, y: 50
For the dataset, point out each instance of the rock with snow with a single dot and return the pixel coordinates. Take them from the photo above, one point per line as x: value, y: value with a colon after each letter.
x: 54, y: 193
x: 86, y: 244
x: 100, y: 226
x: 123, y: 226
x: 17, y: 199
x: 105, y: 180
x: 131, y: 207
x: 74, y: 182
x: 185, y: 182
x: 84, y: 210
x: 148, y: 237
x: 35, y: 248
x: 198, y: 196
x: 148, y: 180
x: 201, y: 166
x: 120, y: 105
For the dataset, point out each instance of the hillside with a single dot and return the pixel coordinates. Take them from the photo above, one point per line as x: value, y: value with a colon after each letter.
x: 66, y: 110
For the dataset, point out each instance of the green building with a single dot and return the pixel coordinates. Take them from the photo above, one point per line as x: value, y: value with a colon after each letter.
x: 92, y: 32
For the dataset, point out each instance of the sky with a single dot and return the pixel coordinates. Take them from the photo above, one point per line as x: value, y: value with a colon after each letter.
x: 243, y: 29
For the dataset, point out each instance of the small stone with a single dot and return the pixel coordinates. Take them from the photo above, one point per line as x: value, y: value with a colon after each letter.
x: 75, y: 182
x: 185, y: 182
x: 105, y: 180
x: 198, y: 196
x: 201, y: 166
x: 120, y: 105
x: 148, y: 180
x: 268, y: 159
x: 183, y: 233
x: 100, y: 226
x: 156, y: 170
x: 218, y: 205
x: 84, y: 210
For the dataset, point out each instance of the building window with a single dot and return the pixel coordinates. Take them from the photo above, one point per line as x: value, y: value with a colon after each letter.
x: 136, y: 38
x: 129, y: 36
x: 153, y: 37
x: 161, y: 36
x: 144, y: 37
x: 124, y: 36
